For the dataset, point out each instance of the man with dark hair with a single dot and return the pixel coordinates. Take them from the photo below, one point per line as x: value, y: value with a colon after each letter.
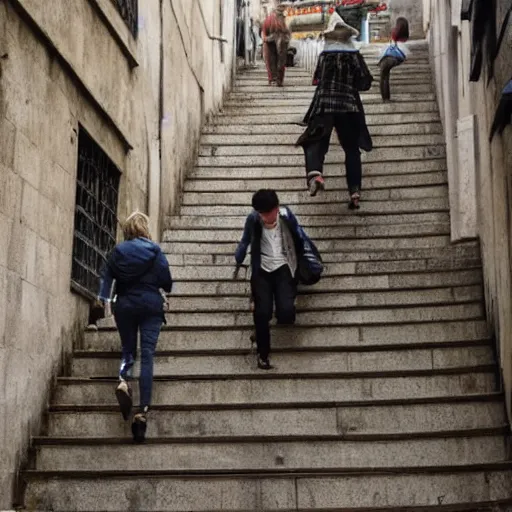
x: 277, y: 241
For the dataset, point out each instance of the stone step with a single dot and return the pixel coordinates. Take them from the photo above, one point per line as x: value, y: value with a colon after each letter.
x: 421, y: 77
x: 329, y: 284
x: 332, y: 196
x: 438, y: 258
x: 461, y: 488
x: 229, y: 141
x: 271, y: 387
x: 415, y: 64
x: 460, y: 413
x: 408, y: 69
x: 387, y: 170
x: 320, y: 233
x: 394, y: 170
x: 391, y: 117
x: 304, y: 101
x: 290, y: 98
x: 397, y: 88
x: 397, y: 206
x: 363, y: 337
x: 224, y: 270
x: 407, y: 151
x: 381, y: 134
x: 308, y: 302
x: 345, y: 316
x: 238, y: 222
x: 87, y: 364
x: 296, y: 158
x: 338, y: 245
x: 426, y: 123
x: 351, y: 451
x: 298, y: 183
x: 370, y: 109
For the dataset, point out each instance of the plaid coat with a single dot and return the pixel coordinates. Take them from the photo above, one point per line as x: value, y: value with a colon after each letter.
x: 339, y: 77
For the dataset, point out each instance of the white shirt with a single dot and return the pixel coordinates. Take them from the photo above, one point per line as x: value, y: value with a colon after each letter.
x: 272, y: 253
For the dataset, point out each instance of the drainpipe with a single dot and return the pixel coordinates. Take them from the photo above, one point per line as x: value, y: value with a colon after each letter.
x: 233, y: 56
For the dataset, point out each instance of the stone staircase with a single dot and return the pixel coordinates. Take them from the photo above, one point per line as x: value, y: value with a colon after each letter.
x: 386, y: 393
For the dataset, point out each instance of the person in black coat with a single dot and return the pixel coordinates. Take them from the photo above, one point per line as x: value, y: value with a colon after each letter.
x: 340, y: 75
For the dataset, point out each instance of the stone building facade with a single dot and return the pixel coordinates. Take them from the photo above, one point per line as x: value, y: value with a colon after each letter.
x: 479, y: 171
x: 101, y: 107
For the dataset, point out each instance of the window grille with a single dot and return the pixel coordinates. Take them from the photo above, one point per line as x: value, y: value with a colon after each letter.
x: 97, y: 190
x: 128, y: 9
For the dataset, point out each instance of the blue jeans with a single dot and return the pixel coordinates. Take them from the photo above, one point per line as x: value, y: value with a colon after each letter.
x: 129, y: 322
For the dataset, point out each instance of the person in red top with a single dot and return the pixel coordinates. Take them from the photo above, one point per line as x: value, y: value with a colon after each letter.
x: 276, y: 36
x: 395, y: 54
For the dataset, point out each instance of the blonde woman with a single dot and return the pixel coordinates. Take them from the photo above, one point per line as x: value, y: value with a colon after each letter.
x: 140, y: 270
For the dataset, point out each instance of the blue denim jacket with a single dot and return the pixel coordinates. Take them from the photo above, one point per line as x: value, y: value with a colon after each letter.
x: 140, y: 270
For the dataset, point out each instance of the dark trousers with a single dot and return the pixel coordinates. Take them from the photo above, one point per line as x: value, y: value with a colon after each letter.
x: 274, y: 54
x: 267, y: 287
x: 129, y: 323
x: 386, y: 65
x: 348, y: 128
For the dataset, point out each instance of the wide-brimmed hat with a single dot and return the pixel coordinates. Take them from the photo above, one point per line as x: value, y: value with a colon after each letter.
x: 339, y: 30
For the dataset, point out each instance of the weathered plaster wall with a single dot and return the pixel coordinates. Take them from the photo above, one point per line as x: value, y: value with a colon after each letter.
x: 196, y: 77
x: 480, y: 180
x: 62, y: 67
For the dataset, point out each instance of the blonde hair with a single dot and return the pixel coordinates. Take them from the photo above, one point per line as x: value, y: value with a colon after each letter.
x: 136, y: 225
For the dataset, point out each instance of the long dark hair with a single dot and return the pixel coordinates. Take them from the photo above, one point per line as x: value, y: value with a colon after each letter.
x: 401, y: 29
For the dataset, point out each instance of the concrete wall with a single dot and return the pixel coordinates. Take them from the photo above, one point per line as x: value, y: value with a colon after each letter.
x: 143, y: 100
x: 410, y: 9
x: 478, y: 171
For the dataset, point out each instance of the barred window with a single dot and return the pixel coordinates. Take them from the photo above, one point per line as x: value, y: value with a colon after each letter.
x: 97, y: 190
x: 128, y: 9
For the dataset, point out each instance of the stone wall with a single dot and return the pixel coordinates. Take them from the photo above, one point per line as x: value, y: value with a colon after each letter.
x: 143, y: 100
x: 413, y: 11
x: 478, y: 171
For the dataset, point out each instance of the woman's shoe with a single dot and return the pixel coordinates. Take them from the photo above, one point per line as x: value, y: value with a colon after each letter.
x: 264, y: 364
x: 139, y: 426
x: 316, y: 184
x: 354, y: 201
x: 124, y: 398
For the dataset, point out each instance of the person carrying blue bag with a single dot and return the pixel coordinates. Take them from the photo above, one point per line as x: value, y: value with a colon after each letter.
x: 394, y: 55
x: 282, y: 255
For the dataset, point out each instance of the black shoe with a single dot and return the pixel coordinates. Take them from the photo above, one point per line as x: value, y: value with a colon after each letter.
x: 139, y: 426
x: 124, y: 398
x: 264, y: 364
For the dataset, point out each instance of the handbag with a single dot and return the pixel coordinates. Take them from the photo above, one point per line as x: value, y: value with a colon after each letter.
x: 310, y: 265
x: 393, y: 51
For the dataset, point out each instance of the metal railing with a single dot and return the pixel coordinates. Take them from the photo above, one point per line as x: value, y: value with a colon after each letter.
x: 128, y: 9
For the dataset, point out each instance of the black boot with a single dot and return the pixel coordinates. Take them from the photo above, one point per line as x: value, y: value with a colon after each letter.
x: 139, y: 426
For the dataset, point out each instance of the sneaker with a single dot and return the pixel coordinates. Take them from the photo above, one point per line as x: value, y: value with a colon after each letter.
x: 124, y: 398
x: 264, y: 364
x: 139, y: 426
x: 315, y: 185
